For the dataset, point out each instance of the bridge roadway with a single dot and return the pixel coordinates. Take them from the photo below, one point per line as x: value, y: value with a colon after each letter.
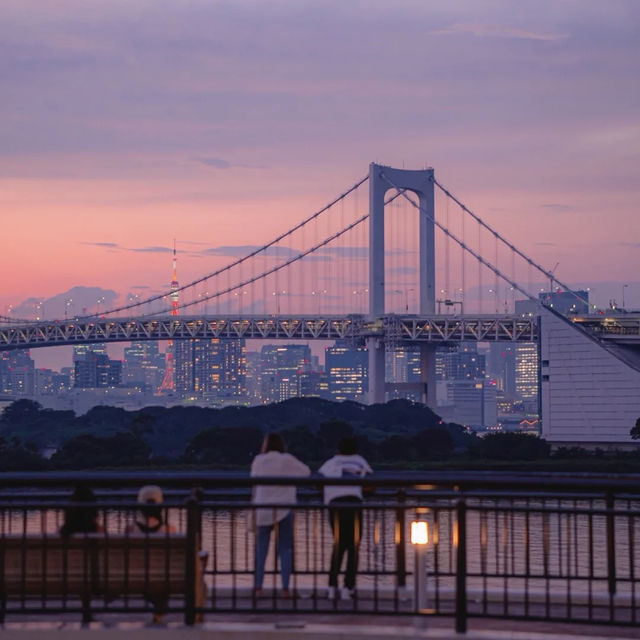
x: 393, y: 329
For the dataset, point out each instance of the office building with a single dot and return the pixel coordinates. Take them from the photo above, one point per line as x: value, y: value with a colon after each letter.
x: 526, y: 370
x: 347, y: 372
x: 96, y: 371
x: 143, y: 366
x: 282, y: 368
x: 17, y: 373
x: 214, y: 369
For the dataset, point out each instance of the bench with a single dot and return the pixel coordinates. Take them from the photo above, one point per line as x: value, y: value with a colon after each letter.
x: 85, y: 567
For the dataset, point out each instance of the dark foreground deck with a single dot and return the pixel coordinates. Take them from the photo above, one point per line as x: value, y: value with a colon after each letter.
x: 503, y: 549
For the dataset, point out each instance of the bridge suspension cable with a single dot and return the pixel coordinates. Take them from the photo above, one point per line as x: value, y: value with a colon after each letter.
x: 549, y: 274
x: 279, y: 267
x: 239, y: 261
x: 462, y: 244
x: 299, y: 256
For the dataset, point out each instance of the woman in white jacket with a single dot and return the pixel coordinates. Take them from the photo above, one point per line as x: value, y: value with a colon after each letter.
x: 273, y: 461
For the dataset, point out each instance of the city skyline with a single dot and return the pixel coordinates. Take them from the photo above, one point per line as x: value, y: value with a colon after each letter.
x: 125, y: 128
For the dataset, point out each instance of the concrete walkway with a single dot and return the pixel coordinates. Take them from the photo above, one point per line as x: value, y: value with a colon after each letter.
x: 314, y: 628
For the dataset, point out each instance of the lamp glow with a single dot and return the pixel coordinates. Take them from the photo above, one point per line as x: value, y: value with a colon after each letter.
x: 419, y: 532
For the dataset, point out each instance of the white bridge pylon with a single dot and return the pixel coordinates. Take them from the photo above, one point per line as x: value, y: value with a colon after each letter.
x: 420, y: 182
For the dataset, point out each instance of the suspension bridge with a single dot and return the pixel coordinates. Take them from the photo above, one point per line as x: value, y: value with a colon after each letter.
x: 406, y: 264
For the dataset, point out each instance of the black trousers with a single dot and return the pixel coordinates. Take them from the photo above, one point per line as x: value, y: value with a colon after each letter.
x: 346, y: 524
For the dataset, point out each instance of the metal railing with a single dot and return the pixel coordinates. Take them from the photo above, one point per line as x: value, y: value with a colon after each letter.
x: 530, y: 547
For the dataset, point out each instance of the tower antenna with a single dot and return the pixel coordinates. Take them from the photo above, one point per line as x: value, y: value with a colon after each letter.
x: 168, y: 382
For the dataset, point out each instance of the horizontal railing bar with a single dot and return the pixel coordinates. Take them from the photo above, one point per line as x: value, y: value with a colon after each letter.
x: 422, y: 481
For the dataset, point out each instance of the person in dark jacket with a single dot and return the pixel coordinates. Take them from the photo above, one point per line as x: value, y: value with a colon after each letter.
x: 81, y: 516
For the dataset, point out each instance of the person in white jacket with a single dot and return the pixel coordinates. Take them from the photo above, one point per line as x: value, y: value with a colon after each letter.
x: 345, y: 513
x: 273, y: 461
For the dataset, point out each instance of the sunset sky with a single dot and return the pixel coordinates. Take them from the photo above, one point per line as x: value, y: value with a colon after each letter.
x: 127, y: 123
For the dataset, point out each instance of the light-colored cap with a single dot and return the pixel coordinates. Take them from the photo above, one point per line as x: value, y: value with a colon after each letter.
x: 150, y: 493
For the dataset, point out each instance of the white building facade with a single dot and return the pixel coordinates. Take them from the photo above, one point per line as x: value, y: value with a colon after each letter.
x: 589, y: 396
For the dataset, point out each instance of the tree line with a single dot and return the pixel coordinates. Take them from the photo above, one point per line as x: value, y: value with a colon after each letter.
x: 395, y: 435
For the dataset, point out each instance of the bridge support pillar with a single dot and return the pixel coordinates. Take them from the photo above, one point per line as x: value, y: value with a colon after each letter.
x: 428, y: 374
x: 376, y: 349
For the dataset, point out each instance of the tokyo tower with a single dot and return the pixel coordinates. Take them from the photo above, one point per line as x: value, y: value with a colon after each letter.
x: 168, y: 382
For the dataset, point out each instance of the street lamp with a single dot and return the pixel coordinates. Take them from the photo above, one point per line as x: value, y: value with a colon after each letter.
x: 406, y: 297
x: 317, y: 293
x: 420, y: 541
x: 363, y: 293
x: 239, y: 295
x: 277, y: 295
x: 624, y: 286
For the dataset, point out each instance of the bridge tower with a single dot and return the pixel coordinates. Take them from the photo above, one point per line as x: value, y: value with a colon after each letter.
x: 420, y: 182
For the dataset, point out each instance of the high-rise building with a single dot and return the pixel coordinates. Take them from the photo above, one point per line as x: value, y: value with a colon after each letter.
x: 281, y: 367
x: 460, y: 363
x: 347, y: 370
x: 82, y: 350
x: 97, y: 371
x: 402, y: 365
x: 17, y: 373
x: 213, y: 369
x: 526, y: 370
x: 143, y: 366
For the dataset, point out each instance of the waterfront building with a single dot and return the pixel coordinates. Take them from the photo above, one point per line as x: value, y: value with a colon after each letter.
x: 590, y: 392
x: 347, y: 372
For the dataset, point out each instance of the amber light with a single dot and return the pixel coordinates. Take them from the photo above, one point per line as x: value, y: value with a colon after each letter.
x: 419, y: 532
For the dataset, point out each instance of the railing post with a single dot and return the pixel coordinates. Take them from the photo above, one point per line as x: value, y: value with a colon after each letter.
x: 191, y: 573
x: 401, y: 541
x: 461, y: 566
x: 611, y: 542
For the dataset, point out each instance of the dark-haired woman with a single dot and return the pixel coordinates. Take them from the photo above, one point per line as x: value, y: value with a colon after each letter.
x: 273, y: 461
x: 81, y: 516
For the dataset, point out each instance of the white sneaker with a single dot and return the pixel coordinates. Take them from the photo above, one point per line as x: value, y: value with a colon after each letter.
x: 346, y: 594
x: 331, y: 593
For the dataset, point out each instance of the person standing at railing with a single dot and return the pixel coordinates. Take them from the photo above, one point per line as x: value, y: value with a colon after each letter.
x: 345, y: 514
x: 273, y: 461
